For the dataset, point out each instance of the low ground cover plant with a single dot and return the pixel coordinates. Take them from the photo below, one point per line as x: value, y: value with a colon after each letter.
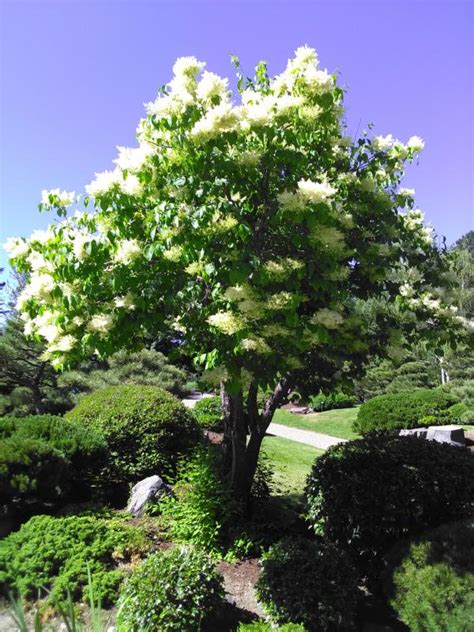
x: 146, y: 429
x: 367, y: 494
x: 310, y: 583
x: 51, y: 555
x: 46, y: 460
x: 209, y: 414
x: 406, y: 410
x: 432, y: 586
x: 171, y: 590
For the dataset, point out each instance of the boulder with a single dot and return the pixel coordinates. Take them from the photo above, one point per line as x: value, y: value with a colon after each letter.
x: 453, y: 435
x: 414, y: 432
x: 143, y: 491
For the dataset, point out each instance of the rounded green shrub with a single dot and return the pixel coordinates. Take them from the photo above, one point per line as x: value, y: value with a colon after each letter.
x: 209, y: 414
x: 367, y: 494
x: 177, y: 589
x: 46, y: 459
x: 404, y: 410
x: 433, y: 583
x: 309, y: 583
x: 146, y: 429
x: 331, y: 401
x: 51, y: 555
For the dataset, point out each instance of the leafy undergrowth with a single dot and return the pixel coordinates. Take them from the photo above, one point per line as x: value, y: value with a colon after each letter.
x: 337, y: 423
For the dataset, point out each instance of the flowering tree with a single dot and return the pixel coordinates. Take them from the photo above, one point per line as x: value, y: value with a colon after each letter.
x: 274, y: 249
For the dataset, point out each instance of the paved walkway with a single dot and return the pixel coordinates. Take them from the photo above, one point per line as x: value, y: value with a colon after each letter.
x: 316, y: 439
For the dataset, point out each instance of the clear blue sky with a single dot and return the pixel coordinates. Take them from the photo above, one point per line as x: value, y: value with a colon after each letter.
x: 75, y: 73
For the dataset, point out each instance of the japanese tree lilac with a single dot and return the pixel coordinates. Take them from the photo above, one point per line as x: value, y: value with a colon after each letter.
x: 252, y: 234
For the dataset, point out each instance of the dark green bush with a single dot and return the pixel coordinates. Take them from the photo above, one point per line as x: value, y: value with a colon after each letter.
x: 260, y: 626
x: 310, y: 583
x: 52, y: 554
x: 332, y: 401
x: 365, y: 495
x: 171, y: 590
x: 146, y: 429
x: 46, y: 459
x: 433, y: 583
x: 209, y: 414
x: 404, y: 410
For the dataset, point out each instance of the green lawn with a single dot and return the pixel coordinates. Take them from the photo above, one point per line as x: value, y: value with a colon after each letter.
x: 337, y: 423
x: 291, y: 462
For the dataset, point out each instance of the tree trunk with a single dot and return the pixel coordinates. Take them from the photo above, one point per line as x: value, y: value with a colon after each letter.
x: 240, y: 457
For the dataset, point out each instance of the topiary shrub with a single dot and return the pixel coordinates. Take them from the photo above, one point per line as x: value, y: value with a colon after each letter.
x: 433, y: 582
x: 46, y: 460
x: 177, y: 589
x: 310, y: 583
x: 146, y: 429
x: 331, y: 401
x: 404, y: 410
x: 209, y: 414
x: 365, y: 495
x: 53, y: 554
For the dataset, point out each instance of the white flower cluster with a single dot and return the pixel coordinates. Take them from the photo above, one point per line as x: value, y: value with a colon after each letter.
x: 414, y: 145
x: 127, y: 251
x: 328, y: 318
x: 56, y: 197
x: 16, y: 247
x: 303, y: 69
x: 133, y: 158
x: 226, y: 322
x: 308, y: 191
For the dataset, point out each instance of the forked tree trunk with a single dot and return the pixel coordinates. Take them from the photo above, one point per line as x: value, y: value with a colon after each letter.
x: 244, y: 430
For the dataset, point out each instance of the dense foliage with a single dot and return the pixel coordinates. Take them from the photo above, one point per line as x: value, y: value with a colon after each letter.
x: 433, y: 585
x: 260, y: 626
x: 277, y: 251
x: 52, y: 554
x: 331, y: 401
x: 171, y: 590
x: 308, y: 583
x: 197, y: 508
x: 406, y: 410
x: 365, y: 495
x: 209, y: 414
x: 146, y: 429
x: 46, y: 460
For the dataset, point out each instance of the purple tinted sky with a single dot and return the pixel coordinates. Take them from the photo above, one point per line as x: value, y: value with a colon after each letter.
x: 74, y: 76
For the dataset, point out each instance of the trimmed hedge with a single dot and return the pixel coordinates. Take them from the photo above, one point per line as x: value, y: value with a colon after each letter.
x: 51, y: 555
x: 433, y: 584
x: 146, y: 429
x: 405, y: 410
x: 46, y: 460
x: 310, y: 583
x: 367, y: 494
x: 171, y: 590
x: 209, y: 414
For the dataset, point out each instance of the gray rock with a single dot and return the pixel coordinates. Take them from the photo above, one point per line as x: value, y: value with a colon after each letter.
x: 453, y: 435
x: 143, y: 491
x: 414, y: 432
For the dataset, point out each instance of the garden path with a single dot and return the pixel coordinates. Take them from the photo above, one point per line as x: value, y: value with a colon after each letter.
x: 315, y: 439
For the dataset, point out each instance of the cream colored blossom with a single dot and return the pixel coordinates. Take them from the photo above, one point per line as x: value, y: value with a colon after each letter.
x: 42, y: 236
x: 125, y: 302
x: 328, y: 318
x: 79, y: 245
x: 256, y: 344
x: 212, y: 86
x: 416, y: 144
x: 316, y: 191
x: 187, y: 67
x: 16, y: 247
x: 133, y: 158
x: 382, y: 143
x: 127, y: 251
x: 37, y: 262
x: 63, y: 198
x: 131, y: 185
x: 104, y: 182
x: 217, y: 120
x: 226, y: 322
x: 278, y: 301
x: 100, y: 323
x: 63, y: 344
x: 290, y: 201
x: 173, y: 253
